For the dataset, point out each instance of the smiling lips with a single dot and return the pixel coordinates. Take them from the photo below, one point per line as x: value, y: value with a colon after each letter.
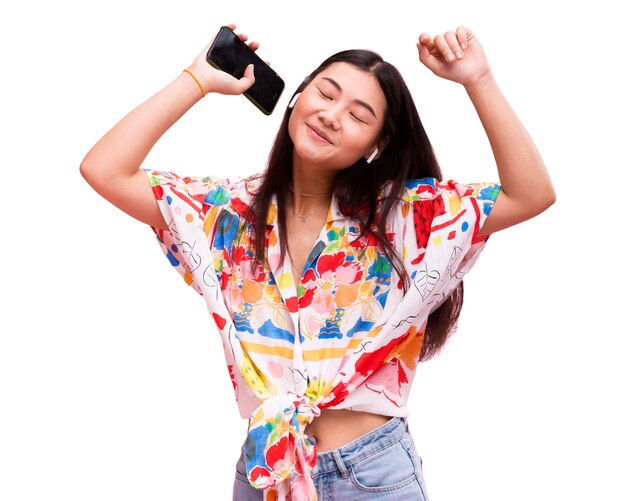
x: 318, y: 135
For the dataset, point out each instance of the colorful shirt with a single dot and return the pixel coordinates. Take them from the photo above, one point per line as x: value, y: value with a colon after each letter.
x: 347, y: 337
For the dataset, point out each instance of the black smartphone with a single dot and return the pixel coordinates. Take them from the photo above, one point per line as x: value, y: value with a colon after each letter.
x: 228, y: 53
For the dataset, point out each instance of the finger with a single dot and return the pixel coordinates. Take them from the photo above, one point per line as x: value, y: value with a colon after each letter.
x: 247, y: 80
x: 254, y: 45
x: 428, y: 43
x: 243, y: 37
x: 421, y: 47
x: 268, y: 63
x: 231, y: 26
x: 450, y: 37
x: 443, y: 47
x: 461, y: 33
x: 425, y: 55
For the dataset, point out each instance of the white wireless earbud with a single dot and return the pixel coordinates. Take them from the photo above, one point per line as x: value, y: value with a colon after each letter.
x: 369, y: 160
x: 293, y: 101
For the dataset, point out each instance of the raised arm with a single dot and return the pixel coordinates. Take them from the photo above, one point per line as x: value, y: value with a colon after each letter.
x: 112, y: 166
x: 526, y: 187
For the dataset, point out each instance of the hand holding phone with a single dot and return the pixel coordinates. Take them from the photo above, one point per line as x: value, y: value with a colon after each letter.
x: 229, y: 53
x: 214, y: 80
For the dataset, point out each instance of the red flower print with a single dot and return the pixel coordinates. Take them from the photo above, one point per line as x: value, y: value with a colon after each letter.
x: 330, y: 262
x: 424, y: 211
x: 220, y: 321
x: 276, y: 451
x: 231, y: 373
x: 158, y: 192
x: 238, y: 252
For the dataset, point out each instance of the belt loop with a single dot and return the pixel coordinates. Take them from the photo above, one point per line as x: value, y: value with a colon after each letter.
x: 342, y: 467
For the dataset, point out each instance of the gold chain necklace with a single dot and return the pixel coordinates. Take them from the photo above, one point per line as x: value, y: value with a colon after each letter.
x: 304, y: 216
x: 308, y: 194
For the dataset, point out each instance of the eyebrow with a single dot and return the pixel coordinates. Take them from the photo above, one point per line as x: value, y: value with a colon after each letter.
x: 357, y: 101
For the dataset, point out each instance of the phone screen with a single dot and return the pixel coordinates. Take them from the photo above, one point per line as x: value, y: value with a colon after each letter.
x: 228, y: 53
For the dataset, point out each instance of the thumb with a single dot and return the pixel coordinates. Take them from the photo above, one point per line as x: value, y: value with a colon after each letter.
x: 247, y: 80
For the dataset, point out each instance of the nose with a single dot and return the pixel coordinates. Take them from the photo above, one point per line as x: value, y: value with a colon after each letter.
x: 330, y: 117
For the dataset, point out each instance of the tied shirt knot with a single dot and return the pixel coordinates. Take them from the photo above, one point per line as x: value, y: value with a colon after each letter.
x: 278, y: 454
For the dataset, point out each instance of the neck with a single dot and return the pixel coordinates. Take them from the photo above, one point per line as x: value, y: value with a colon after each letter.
x: 309, y: 179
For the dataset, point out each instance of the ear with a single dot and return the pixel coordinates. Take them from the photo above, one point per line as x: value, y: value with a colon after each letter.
x: 381, y: 146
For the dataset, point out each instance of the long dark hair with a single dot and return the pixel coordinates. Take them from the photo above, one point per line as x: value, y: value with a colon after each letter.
x: 408, y: 155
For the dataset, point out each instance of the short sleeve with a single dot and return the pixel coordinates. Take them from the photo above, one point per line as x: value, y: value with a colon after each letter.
x: 190, y: 206
x: 469, y: 205
x: 464, y: 212
x: 447, y: 217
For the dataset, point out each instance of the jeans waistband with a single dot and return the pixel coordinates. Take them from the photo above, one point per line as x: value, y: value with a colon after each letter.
x: 361, y: 448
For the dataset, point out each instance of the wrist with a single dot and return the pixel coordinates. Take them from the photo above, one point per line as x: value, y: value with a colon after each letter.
x: 198, y: 78
x: 479, y: 83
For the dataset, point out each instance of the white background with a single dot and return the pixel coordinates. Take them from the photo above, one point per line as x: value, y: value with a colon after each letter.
x: 112, y: 378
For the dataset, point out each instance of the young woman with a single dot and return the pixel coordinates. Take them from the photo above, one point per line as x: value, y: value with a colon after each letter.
x: 333, y: 272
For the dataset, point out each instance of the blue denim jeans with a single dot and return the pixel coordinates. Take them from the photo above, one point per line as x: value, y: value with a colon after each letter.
x: 383, y: 465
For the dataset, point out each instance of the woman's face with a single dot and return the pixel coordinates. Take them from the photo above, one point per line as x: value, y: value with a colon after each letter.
x: 338, y: 117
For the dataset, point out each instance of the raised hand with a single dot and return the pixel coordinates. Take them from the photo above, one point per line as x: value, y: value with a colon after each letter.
x: 456, y: 56
x: 214, y: 80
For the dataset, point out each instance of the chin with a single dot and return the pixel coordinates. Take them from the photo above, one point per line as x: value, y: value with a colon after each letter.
x: 309, y: 157
x: 308, y: 152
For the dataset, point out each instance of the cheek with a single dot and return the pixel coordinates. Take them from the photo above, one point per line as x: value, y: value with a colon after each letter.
x: 356, y: 141
x: 291, y: 126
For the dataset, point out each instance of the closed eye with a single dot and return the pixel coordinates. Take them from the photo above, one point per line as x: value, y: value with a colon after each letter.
x: 352, y: 114
x: 362, y: 121
x: 327, y: 97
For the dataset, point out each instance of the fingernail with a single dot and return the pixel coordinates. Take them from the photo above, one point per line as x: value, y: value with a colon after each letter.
x: 459, y: 54
x: 463, y: 45
x: 450, y: 57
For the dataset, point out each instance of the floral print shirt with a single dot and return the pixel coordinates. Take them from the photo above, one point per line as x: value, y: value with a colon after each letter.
x: 347, y: 337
